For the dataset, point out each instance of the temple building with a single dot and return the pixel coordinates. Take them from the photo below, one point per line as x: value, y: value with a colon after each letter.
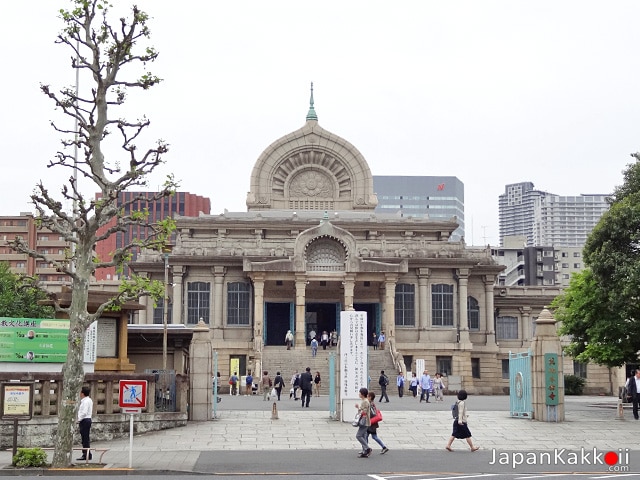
x: 310, y: 246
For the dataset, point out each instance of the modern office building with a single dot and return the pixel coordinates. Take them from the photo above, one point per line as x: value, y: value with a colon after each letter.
x: 181, y: 203
x: 546, y: 219
x: 437, y: 198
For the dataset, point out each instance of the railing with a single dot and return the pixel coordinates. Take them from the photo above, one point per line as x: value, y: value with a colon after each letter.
x: 104, y: 391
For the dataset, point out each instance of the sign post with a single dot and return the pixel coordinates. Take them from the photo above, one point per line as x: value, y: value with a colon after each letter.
x: 17, y: 404
x: 132, y: 398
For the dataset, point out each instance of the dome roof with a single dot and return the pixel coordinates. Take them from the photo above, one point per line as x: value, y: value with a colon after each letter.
x: 311, y: 169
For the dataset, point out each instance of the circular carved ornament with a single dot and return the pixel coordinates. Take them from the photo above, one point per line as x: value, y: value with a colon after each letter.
x: 310, y: 184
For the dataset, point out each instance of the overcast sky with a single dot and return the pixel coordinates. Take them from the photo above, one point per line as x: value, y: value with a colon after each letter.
x: 492, y: 92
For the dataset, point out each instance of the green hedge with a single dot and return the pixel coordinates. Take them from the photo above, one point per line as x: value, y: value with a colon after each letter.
x: 573, y: 385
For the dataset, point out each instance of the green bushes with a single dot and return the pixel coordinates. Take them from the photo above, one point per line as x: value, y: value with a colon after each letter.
x: 573, y: 385
x: 30, y: 457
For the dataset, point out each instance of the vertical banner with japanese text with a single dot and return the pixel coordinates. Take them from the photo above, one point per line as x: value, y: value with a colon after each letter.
x: 353, y: 357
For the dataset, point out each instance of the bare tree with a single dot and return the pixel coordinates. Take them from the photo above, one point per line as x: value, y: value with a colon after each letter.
x: 107, y: 50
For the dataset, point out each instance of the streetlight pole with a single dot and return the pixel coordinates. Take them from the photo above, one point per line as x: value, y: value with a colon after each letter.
x: 165, y: 310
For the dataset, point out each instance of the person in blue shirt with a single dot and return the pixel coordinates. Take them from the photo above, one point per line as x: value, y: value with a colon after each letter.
x: 425, y: 385
x: 248, y: 384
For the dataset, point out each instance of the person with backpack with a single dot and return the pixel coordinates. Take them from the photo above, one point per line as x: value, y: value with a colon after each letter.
x: 383, y: 381
x: 460, y: 428
x: 278, y: 384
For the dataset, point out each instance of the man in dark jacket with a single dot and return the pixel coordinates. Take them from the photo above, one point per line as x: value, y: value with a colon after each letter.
x: 306, y: 385
x: 383, y: 381
x: 633, y: 390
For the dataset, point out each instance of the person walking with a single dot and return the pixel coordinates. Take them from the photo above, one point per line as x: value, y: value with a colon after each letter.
x: 266, y: 384
x: 413, y: 384
x: 383, y: 381
x: 460, y: 428
x: 278, y: 384
x: 324, y: 339
x: 400, y: 383
x: 317, y: 381
x: 438, y: 387
x: 248, y: 388
x: 288, y: 339
x: 633, y: 390
x: 84, y: 422
x: 363, y: 411
x: 233, y: 381
x: 381, y: 340
x: 314, y: 346
x: 373, y: 429
x: 295, y: 384
x: 374, y: 340
x: 425, y: 385
x: 306, y: 382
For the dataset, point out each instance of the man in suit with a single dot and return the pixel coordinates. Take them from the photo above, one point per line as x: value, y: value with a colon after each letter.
x: 633, y: 390
x: 306, y: 385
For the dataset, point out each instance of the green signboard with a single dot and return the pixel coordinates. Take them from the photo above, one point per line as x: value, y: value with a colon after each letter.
x: 33, y: 340
x: 551, y: 378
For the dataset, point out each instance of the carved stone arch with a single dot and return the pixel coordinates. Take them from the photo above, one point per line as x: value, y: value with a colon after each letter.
x: 325, y: 254
x: 326, y: 230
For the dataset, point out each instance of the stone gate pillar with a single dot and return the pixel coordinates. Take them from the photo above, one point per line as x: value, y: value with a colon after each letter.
x: 546, y: 369
x: 201, y: 373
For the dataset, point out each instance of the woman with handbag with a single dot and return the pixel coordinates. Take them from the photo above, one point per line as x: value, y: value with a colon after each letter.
x: 375, y: 419
x: 363, y: 422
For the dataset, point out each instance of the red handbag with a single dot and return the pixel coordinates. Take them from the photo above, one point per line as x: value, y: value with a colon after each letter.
x: 377, y: 417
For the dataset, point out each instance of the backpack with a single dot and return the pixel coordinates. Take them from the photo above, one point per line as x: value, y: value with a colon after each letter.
x: 454, y: 410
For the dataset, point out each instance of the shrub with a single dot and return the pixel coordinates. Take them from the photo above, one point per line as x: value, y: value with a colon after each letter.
x: 30, y: 457
x: 573, y: 385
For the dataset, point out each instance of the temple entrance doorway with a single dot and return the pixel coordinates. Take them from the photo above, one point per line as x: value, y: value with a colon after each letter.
x: 320, y: 317
x: 278, y: 318
x: 374, y: 319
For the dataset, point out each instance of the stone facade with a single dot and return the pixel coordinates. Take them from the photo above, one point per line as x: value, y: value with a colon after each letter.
x: 310, y: 246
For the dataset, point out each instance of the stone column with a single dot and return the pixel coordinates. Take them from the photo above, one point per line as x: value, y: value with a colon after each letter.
x: 147, y: 311
x: 177, y: 310
x: 349, y: 287
x: 463, y: 281
x: 488, y: 325
x: 218, y: 300
x: 258, y: 305
x: 525, y: 313
x: 301, y: 287
x: 201, y: 373
x: 546, y: 340
x: 389, y: 306
x: 423, y: 299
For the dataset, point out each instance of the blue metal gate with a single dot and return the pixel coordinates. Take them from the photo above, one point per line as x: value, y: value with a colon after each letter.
x: 520, y: 401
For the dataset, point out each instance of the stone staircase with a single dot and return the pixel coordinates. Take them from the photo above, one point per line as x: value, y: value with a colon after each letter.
x: 279, y: 359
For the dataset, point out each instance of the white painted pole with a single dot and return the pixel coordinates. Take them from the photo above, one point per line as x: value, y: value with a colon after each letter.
x: 131, y: 440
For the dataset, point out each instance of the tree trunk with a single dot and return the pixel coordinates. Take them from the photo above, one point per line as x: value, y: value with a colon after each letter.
x: 73, y: 371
